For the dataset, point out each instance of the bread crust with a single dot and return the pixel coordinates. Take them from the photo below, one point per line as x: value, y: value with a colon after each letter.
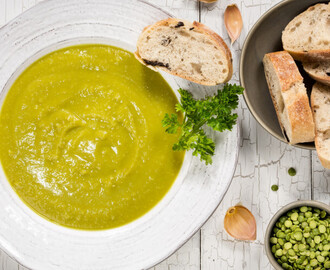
x: 221, y: 45
x: 323, y: 79
x: 288, y: 72
x: 325, y: 161
x: 310, y: 55
x: 297, y: 105
x: 301, y: 120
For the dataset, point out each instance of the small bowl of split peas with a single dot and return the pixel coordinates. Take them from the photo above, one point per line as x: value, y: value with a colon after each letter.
x: 298, y: 237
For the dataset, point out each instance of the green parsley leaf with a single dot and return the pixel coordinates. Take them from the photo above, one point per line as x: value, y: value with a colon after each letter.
x: 214, y: 111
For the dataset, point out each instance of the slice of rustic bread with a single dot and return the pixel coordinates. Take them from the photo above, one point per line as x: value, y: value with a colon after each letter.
x: 188, y: 50
x: 289, y: 96
x: 319, y: 71
x: 307, y: 36
x: 320, y: 99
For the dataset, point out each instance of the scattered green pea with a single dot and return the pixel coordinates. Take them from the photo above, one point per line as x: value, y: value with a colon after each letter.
x: 292, y: 172
x: 301, y: 239
x: 274, y: 187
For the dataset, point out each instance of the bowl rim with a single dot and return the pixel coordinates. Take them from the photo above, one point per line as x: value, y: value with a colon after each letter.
x: 278, y: 214
x: 246, y: 98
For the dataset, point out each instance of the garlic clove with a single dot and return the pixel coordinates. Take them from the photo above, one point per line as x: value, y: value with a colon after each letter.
x: 233, y: 22
x: 240, y: 223
x: 208, y: 1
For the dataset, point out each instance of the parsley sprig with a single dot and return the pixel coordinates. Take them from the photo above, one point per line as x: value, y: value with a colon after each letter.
x: 213, y: 111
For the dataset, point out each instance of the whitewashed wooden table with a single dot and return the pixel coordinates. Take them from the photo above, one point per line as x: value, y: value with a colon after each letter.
x: 263, y: 160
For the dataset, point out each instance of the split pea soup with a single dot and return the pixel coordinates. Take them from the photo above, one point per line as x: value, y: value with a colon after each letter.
x: 82, y: 142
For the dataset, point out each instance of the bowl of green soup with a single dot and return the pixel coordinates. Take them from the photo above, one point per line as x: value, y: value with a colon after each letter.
x: 88, y: 177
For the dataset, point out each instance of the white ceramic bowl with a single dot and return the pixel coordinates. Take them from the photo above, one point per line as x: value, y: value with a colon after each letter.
x: 39, y: 244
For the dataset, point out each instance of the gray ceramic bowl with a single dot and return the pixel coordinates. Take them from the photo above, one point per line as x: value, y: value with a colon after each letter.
x: 276, y: 217
x: 265, y: 37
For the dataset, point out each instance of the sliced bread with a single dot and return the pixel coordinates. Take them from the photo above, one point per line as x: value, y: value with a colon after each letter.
x: 320, y: 99
x: 188, y: 50
x: 319, y: 71
x: 289, y: 96
x: 307, y: 36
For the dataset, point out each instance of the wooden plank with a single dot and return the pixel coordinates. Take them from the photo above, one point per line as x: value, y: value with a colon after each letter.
x: 263, y: 161
x: 320, y: 181
x: 7, y: 263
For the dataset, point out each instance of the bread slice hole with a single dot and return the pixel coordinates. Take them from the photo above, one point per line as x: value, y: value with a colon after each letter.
x: 293, y: 29
x: 298, y: 24
x: 224, y: 71
x: 197, y: 67
x: 326, y: 134
x: 280, y: 104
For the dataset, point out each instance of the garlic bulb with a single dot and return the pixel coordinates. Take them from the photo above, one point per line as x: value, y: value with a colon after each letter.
x: 233, y: 22
x: 240, y: 223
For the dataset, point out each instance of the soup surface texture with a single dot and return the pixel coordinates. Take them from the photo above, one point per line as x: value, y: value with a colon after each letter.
x: 81, y: 137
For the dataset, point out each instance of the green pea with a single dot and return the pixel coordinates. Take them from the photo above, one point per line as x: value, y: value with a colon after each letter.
x: 308, y: 214
x: 312, y: 255
x: 288, y: 223
x: 282, y: 219
x: 287, y: 245
x: 293, y: 241
x: 313, y: 262
x: 327, y: 264
x: 273, y: 240
x: 302, y: 247
x: 303, y: 209
x: 323, y: 214
x: 324, y: 253
x: 295, y: 247
x: 273, y: 249
x: 326, y: 247
x: 294, y: 216
x: 304, y: 225
x: 322, y: 229
x: 281, y: 234
x: 312, y: 224
x: 279, y: 253
x: 316, y: 231
x: 320, y: 258
x: 317, y: 239
x: 291, y: 252
x: 300, y: 218
x: 280, y: 241
x: 292, y: 172
x: 298, y: 236
x: 274, y: 187
x: 306, y: 235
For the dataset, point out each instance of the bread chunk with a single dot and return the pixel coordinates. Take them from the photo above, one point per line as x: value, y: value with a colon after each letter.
x: 320, y: 99
x: 289, y: 96
x: 319, y: 71
x: 307, y: 36
x: 188, y: 50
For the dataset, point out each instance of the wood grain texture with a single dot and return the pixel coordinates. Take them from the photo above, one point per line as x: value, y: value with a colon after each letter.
x: 263, y: 160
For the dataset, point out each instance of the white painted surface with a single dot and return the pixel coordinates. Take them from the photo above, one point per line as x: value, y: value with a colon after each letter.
x: 263, y: 160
